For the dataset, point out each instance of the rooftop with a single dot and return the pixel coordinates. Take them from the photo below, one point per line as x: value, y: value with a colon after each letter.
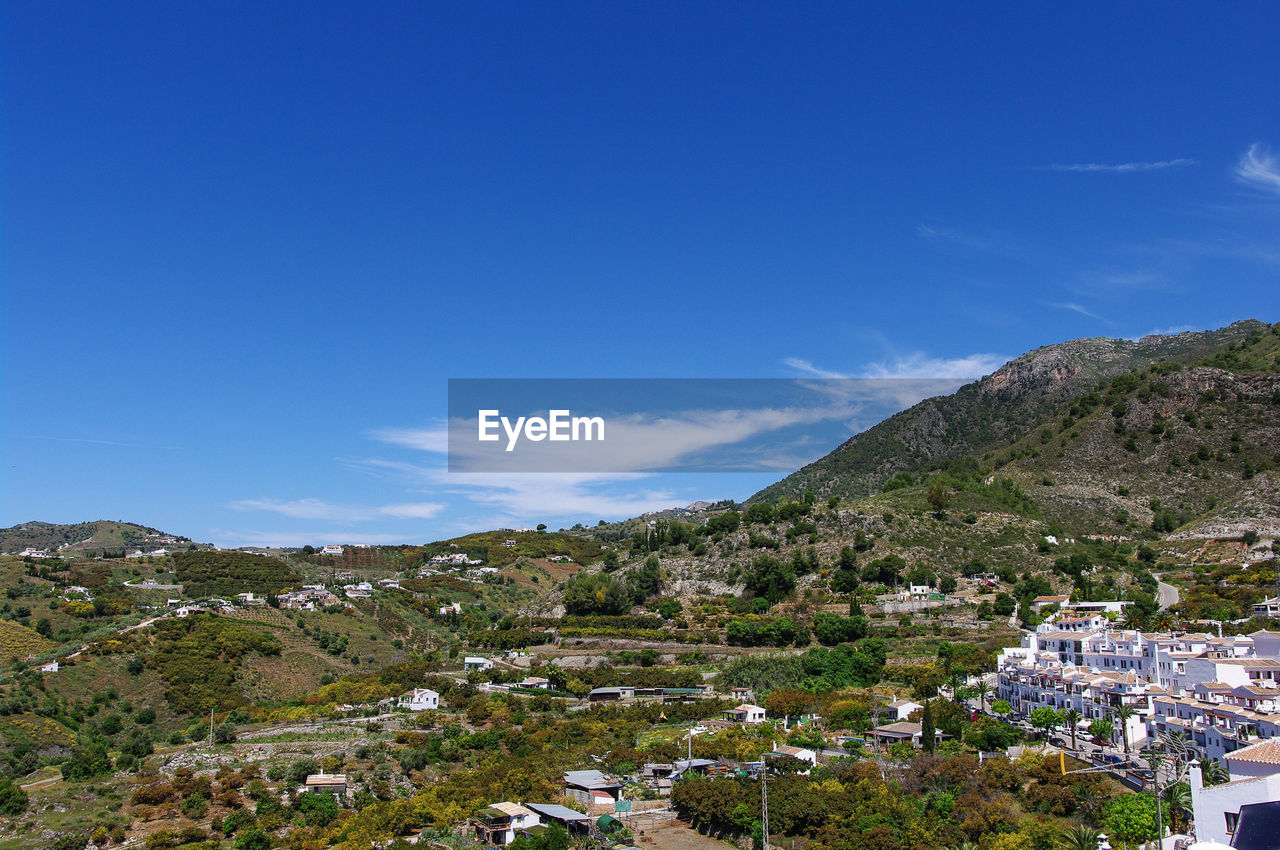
x: 1263, y: 752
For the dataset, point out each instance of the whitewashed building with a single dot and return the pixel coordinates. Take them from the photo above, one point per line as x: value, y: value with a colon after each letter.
x: 420, y: 699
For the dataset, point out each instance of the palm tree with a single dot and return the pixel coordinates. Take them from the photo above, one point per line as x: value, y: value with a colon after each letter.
x: 1071, y: 717
x: 1178, y: 798
x: 983, y: 690
x: 1213, y: 772
x: 1088, y: 800
x: 1122, y: 713
x: 1079, y: 837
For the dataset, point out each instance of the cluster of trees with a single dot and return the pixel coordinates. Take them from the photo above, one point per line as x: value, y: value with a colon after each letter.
x: 938, y: 801
x: 764, y: 631
x: 224, y: 573
x: 602, y: 593
x: 817, y: 669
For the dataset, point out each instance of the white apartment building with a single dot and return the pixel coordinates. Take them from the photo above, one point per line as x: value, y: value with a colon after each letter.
x: 1223, y: 693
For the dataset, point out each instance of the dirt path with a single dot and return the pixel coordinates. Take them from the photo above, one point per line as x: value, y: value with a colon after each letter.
x: 676, y: 835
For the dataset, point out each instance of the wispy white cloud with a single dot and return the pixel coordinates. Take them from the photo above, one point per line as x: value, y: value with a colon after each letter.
x: 807, y: 368
x: 920, y: 365
x: 1174, y: 330
x: 318, y: 509
x: 432, y: 438
x: 90, y: 441
x: 916, y: 366
x: 531, y: 497
x: 1075, y: 308
x: 1258, y: 168
x: 965, y: 239
x: 1119, y: 167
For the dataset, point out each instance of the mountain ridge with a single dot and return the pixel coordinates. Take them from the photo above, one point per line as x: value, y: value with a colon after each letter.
x: 990, y: 411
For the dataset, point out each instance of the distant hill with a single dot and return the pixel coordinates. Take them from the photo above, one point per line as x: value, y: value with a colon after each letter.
x: 87, y: 537
x: 986, y: 414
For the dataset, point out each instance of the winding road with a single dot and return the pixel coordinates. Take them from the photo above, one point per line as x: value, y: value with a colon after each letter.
x: 1168, y: 594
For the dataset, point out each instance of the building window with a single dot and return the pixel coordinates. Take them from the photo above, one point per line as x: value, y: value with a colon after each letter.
x: 1232, y: 819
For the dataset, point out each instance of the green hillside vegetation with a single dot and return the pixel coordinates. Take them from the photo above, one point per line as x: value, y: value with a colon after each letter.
x: 17, y: 641
x: 489, y: 547
x: 985, y: 414
x: 84, y: 537
x: 1154, y: 450
x: 224, y: 573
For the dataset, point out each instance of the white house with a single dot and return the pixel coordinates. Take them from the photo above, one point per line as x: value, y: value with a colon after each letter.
x: 476, y: 662
x: 1269, y: 607
x: 50, y: 667
x: 1217, y: 808
x: 1040, y: 602
x: 536, y: 682
x: 451, y: 608
x: 420, y: 699
x: 500, y: 823
x: 900, y: 709
x: 331, y: 550
x: 746, y: 713
x: 802, y: 753
x: 327, y: 783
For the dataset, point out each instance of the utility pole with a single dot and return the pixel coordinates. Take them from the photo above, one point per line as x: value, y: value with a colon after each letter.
x: 211, y: 727
x: 764, y: 802
x: 1153, y: 759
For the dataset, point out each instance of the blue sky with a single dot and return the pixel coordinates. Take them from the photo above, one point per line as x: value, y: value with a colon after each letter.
x: 245, y: 245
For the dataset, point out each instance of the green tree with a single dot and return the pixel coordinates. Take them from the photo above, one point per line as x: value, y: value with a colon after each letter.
x: 317, y: 809
x: 983, y: 690
x: 1071, y: 717
x: 1131, y: 818
x: 1079, y: 837
x: 597, y: 593
x: 1122, y: 714
x: 928, y: 733
x: 13, y: 800
x: 771, y: 579
x: 938, y: 497
x: 253, y: 839
x: 1045, y: 718
x: 645, y: 581
x: 87, y: 761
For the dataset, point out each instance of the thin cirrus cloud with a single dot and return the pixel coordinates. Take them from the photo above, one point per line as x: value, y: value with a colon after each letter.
x: 433, y: 438
x: 1259, y: 168
x: 1119, y: 167
x: 1075, y: 308
x: 920, y: 365
x: 530, y: 496
x: 689, y: 440
x: 914, y: 366
x: 318, y: 509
